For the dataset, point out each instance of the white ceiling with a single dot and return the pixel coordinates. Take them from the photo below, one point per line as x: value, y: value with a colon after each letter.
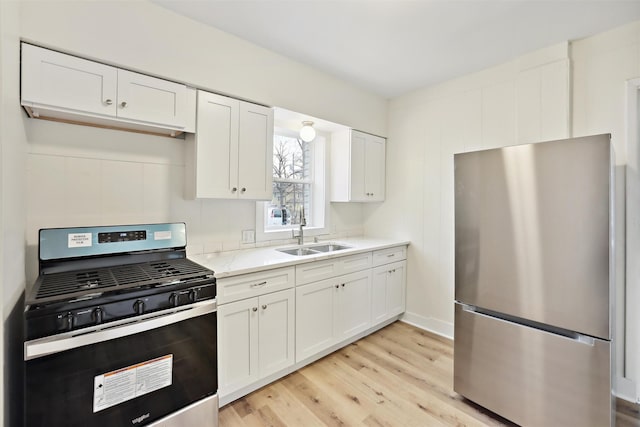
x: 391, y: 47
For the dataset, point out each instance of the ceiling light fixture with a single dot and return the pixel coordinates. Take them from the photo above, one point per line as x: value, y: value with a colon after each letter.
x: 307, y: 133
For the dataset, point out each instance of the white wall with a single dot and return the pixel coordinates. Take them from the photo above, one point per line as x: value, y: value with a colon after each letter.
x: 541, y: 96
x: 12, y: 216
x: 78, y: 175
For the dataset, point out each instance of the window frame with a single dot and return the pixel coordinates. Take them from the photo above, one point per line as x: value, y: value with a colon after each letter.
x: 319, y: 193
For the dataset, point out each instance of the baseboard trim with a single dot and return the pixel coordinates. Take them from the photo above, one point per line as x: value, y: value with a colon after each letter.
x: 436, y: 326
x: 627, y: 411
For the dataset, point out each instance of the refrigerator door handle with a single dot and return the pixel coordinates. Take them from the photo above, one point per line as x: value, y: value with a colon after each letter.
x: 574, y: 336
x: 468, y: 308
x: 585, y: 339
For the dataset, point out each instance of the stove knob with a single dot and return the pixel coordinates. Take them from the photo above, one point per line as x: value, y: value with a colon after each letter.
x: 174, y: 299
x: 68, y: 321
x: 193, y: 294
x: 138, y: 306
x: 98, y: 315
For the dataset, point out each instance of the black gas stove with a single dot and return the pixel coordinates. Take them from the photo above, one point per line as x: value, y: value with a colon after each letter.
x: 121, y: 329
x: 123, y: 271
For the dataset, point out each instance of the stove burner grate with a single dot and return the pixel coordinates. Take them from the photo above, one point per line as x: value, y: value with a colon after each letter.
x: 154, y: 272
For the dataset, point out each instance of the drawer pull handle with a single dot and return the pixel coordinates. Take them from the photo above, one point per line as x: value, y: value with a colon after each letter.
x: 391, y: 255
x: 108, y: 102
x: 255, y: 285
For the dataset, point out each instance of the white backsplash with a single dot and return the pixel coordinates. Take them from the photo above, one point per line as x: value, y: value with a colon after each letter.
x: 84, y: 176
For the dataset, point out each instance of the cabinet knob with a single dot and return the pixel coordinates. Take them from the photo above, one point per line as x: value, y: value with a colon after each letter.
x: 234, y: 189
x: 342, y: 285
x: 242, y: 190
x: 108, y: 102
x: 123, y: 104
x: 254, y: 309
x: 264, y: 306
x: 337, y: 286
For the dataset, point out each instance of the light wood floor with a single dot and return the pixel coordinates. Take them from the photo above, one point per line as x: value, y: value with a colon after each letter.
x: 398, y: 376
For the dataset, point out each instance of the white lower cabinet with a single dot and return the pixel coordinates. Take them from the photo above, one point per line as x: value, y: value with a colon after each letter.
x: 330, y: 311
x: 388, y: 289
x: 274, y: 321
x: 255, y: 339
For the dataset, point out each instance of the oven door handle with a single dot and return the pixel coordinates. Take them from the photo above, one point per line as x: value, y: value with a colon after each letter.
x: 58, y: 343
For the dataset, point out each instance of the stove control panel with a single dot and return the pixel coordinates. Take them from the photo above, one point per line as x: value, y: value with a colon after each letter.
x: 65, y: 320
x: 122, y: 236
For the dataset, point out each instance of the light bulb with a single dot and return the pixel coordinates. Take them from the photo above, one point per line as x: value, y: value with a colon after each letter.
x: 307, y: 133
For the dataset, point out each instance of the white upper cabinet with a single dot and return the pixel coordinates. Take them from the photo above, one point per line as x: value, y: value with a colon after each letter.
x: 358, y: 167
x: 230, y: 155
x: 255, y: 152
x: 67, y: 88
x: 52, y: 79
x: 151, y: 100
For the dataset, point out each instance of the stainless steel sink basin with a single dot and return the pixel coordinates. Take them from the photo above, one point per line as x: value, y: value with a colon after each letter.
x: 330, y: 247
x: 299, y: 251
x: 314, y: 250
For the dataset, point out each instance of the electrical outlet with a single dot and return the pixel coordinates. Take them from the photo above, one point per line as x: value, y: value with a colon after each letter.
x: 248, y: 236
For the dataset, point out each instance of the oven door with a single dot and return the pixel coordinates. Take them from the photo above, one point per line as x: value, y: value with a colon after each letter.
x: 132, y: 373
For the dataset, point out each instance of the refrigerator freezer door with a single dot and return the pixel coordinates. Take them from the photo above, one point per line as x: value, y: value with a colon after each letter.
x: 532, y: 232
x: 531, y: 377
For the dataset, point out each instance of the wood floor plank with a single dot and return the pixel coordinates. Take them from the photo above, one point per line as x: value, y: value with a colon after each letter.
x: 398, y: 376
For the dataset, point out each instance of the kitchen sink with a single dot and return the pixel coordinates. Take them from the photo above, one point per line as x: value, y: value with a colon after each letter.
x: 314, y: 250
x: 299, y: 251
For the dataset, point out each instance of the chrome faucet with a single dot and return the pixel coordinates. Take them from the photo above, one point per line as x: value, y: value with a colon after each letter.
x: 303, y: 223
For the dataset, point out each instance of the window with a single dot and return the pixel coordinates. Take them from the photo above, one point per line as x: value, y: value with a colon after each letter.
x: 298, y: 188
x: 292, y: 182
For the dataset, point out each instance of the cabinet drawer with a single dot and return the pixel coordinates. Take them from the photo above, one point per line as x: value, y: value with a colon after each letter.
x: 314, y: 271
x: 386, y: 256
x: 254, y: 284
x: 352, y: 263
x: 320, y: 270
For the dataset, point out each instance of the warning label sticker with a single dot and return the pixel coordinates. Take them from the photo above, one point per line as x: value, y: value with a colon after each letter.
x: 133, y: 381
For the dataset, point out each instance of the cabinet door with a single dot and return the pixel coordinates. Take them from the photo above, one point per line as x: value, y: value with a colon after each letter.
x: 354, y: 304
x: 237, y: 345
x: 358, y: 177
x: 276, y: 328
x: 396, y: 285
x: 315, y: 317
x: 216, y: 146
x: 379, y: 294
x: 374, y: 168
x: 151, y: 100
x: 255, y: 151
x: 62, y: 81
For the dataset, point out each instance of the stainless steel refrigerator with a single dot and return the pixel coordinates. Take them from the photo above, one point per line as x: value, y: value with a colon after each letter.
x: 534, y: 281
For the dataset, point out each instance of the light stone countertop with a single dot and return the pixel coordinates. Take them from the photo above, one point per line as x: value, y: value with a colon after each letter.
x: 226, y: 264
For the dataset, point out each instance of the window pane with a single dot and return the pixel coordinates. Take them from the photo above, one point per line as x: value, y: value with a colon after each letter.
x: 288, y: 201
x: 291, y: 158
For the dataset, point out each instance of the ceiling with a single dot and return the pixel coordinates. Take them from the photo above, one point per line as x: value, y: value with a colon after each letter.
x: 391, y: 47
